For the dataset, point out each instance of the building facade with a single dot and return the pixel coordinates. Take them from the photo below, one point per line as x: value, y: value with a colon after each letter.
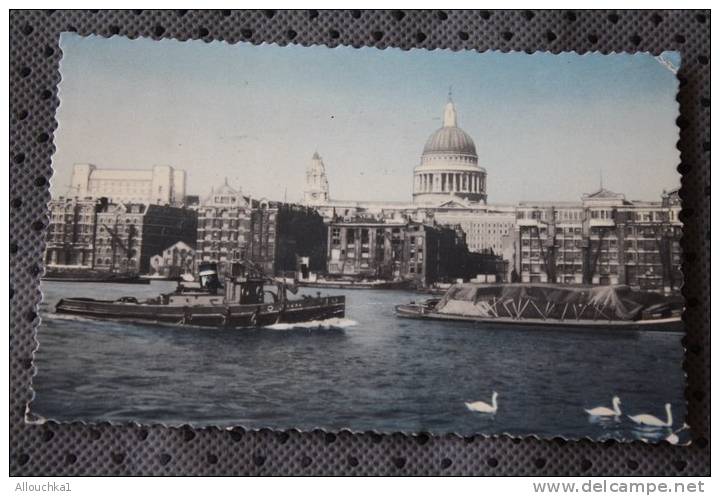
x: 263, y: 241
x: 70, y: 236
x: 301, y: 233
x: 127, y: 235
x: 395, y: 251
x: 224, y: 227
x: 604, y: 239
x: 161, y: 185
x: 485, y: 226
x: 272, y: 235
x: 174, y: 261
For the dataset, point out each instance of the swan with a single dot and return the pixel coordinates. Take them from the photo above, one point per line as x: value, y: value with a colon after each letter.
x: 603, y: 411
x: 653, y: 421
x: 482, y: 407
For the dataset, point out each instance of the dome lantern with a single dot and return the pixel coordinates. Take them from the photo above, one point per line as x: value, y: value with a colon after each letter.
x: 450, y: 117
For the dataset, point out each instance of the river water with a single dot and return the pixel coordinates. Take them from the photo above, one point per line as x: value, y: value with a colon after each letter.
x: 373, y: 371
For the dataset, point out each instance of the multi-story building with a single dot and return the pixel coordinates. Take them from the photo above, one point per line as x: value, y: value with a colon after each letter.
x: 263, y: 235
x: 281, y: 232
x: 161, y: 185
x: 604, y: 239
x: 70, y: 236
x: 301, y: 232
x: 224, y: 227
x: 396, y: 250
x: 485, y: 226
x: 272, y: 235
x: 127, y: 235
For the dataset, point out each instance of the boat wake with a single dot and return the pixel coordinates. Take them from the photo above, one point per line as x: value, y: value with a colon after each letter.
x: 327, y: 324
x: 334, y: 323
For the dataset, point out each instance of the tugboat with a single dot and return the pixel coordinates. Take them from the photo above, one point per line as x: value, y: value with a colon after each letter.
x: 242, y: 302
x: 552, y: 306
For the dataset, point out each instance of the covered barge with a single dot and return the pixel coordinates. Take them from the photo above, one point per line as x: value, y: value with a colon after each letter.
x: 552, y: 306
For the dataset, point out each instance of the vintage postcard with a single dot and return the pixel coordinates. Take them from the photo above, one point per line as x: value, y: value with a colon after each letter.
x: 374, y: 240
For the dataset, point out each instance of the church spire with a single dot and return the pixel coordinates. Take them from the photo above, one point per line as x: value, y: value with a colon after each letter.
x: 450, y: 116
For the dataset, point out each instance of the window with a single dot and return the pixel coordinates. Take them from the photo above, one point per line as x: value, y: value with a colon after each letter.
x: 364, y: 236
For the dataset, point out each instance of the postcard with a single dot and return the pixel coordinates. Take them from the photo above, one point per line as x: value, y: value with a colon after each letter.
x: 376, y: 240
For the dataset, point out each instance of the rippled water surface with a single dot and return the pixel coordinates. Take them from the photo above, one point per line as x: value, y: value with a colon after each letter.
x: 382, y: 373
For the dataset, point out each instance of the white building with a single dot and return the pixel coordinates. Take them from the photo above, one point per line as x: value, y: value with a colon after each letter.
x: 174, y: 261
x: 161, y: 185
x: 485, y: 226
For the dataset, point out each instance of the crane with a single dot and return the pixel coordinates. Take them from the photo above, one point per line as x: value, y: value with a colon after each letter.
x: 116, y: 240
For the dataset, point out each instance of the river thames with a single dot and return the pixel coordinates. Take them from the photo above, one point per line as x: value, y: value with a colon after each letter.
x: 372, y: 371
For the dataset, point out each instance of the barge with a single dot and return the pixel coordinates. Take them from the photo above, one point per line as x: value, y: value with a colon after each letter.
x: 89, y: 275
x: 242, y: 302
x: 551, y: 306
x: 354, y: 284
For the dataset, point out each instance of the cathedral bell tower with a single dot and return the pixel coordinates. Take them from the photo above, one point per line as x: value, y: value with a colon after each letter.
x: 317, y: 190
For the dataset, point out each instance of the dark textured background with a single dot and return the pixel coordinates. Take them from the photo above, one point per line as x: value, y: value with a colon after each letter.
x: 76, y: 449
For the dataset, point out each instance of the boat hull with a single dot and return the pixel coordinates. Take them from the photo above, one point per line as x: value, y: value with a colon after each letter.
x: 354, y: 285
x: 95, y: 279
x: 211, y: 316
x: 670, y: 324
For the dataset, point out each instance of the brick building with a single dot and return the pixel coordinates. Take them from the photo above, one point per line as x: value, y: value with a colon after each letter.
x: 396, y: 250
x: 128, y: 235
x: 270, y: 234
x: 223, y: 227
x: 301, y: 232
x: 70, y: 236
x: 605, y: 239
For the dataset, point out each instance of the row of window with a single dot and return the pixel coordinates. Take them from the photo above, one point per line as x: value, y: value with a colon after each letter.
x: 662, y: 215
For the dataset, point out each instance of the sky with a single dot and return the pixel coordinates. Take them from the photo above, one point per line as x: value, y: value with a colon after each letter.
x: 546, y: 127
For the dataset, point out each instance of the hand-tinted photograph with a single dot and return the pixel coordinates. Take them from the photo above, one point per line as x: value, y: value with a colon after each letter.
x: 294, y: 237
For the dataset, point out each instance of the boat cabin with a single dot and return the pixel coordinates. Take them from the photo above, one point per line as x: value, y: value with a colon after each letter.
x: 245, y: 291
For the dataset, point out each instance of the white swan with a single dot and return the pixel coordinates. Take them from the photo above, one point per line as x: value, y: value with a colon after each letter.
x: 603, y: 411
x: 482, y: 407
x: 653, y: 421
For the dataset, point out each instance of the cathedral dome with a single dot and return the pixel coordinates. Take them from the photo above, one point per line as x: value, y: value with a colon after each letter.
x: 449, y: 165
x: 450, y: 140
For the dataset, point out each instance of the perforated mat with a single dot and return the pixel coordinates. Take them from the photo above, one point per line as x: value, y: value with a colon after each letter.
x: 76, y: 449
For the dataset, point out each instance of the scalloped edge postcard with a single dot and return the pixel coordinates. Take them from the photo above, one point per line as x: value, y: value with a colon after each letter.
x: 376, y: 240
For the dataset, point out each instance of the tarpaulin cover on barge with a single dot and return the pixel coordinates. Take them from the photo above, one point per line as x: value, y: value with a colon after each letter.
x: 546, y: 301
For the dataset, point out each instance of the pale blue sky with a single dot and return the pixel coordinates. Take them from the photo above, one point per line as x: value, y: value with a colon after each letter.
x: 545, y: 126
